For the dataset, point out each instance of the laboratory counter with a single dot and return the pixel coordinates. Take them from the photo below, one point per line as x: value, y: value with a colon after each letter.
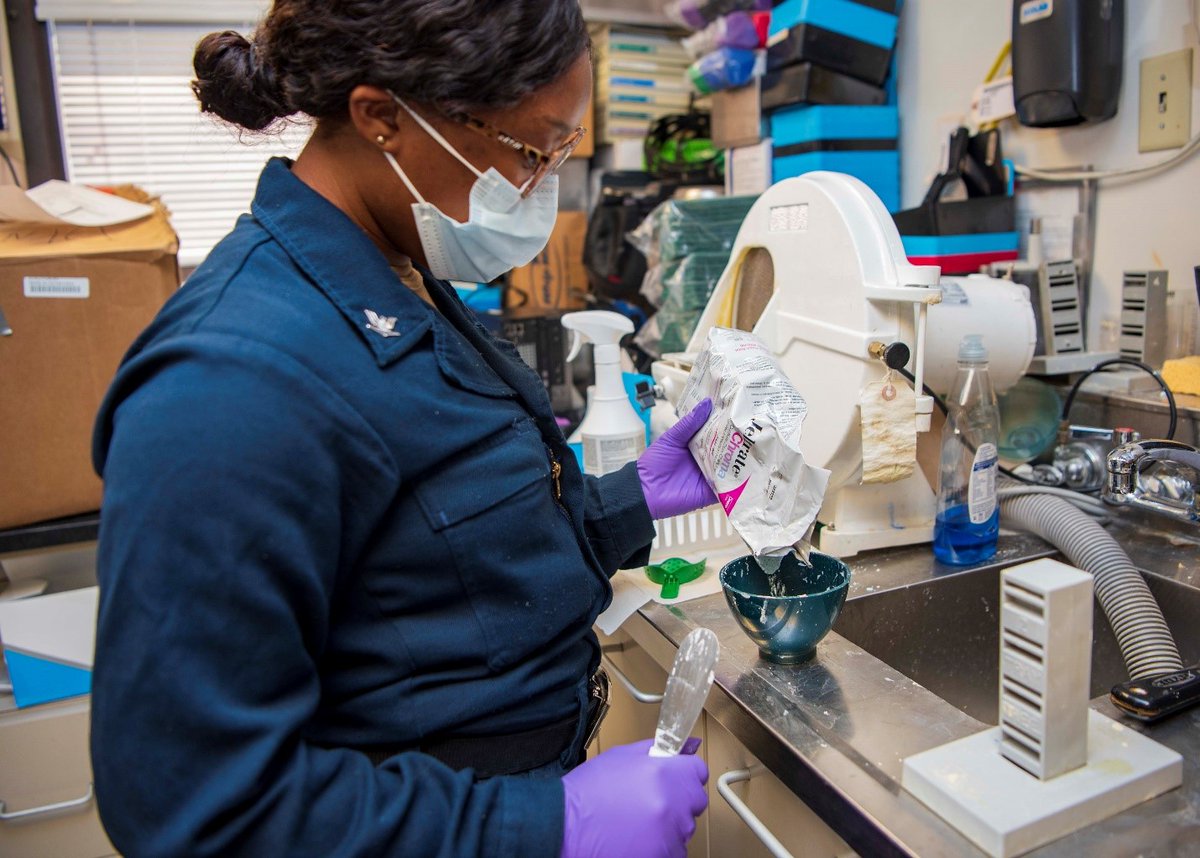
x: 836, y: 730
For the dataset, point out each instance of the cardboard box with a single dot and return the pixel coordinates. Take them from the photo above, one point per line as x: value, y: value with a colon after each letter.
x: 74, y: 300
x: 737, y: 117
x: 555, y: 282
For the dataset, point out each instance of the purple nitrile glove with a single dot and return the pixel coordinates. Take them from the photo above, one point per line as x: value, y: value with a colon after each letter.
x: 627, y: 803
x: 671, y: 479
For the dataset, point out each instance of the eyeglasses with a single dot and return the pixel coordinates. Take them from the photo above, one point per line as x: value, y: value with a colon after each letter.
x: 542, y: 163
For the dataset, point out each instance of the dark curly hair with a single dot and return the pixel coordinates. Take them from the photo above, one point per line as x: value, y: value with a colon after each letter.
x: 308, y: 55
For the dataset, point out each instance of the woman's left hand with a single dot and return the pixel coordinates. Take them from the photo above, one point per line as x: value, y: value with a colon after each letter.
x: 671, y: 479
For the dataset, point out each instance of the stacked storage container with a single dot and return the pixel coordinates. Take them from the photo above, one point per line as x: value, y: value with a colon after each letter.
x: 829, y: 93
x: 860, y: 141
x: 849, y: 37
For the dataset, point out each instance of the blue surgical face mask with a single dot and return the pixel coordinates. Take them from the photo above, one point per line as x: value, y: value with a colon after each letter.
x: 502, y: 232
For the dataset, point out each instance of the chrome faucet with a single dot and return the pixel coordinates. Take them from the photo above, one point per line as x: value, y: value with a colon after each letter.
x: 1173, y: 495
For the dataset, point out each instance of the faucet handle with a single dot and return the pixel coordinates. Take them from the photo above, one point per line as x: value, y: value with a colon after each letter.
x: 1125, y: 435
x: 1131, y: 455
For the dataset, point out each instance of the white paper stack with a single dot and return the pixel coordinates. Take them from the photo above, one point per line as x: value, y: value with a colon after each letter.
x: 49, y: 644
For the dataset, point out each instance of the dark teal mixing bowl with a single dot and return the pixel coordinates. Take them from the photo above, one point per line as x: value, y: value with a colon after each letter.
x: 789, y: 612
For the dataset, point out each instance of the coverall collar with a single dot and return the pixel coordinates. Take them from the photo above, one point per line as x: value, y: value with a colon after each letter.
x: 342, y: 261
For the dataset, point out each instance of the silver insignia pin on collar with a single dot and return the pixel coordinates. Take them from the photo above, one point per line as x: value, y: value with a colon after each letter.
x: 385, y: 326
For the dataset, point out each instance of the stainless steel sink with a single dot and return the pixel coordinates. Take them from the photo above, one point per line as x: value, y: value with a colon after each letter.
x: 944, y: 635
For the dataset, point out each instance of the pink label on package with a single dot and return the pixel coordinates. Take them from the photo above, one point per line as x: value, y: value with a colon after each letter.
x: 729, y: 499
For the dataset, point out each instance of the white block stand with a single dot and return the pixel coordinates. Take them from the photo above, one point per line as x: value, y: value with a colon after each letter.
x: 1052, y: 766
x: 1006, y: 811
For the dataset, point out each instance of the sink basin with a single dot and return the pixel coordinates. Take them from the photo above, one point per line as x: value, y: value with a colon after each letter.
x: 944, y: 635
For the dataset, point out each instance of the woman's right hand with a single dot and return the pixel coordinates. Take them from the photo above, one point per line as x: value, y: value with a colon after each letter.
x: 625, y: 802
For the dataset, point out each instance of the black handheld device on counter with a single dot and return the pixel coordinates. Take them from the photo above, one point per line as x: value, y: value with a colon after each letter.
x: 1153, y: 697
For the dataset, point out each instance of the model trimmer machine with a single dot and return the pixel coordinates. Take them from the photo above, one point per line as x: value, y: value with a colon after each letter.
x: 818, y: 272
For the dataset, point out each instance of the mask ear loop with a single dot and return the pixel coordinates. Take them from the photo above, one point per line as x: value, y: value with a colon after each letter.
x: 436, y: 135
x: 412, y: 189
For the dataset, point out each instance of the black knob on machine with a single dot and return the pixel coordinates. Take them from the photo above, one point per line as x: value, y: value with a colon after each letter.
x: 896, y: 355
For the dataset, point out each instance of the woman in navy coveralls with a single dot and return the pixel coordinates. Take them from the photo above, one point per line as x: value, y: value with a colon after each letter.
x: 348, y: 565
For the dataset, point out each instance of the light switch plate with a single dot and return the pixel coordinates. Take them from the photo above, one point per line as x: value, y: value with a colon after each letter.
x: 1165, y: 101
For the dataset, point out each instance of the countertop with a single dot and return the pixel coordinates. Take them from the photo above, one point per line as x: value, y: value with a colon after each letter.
x: 837, y: 729
x: 50, y: 534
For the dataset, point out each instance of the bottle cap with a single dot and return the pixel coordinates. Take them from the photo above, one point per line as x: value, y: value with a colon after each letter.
x: 972, y: 349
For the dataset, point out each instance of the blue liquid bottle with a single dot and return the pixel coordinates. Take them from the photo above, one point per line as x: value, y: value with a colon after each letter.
x: 968, y: 516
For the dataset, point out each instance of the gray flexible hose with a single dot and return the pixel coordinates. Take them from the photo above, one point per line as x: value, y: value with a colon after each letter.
x: 1137, y: 621
x: 1093, y: 506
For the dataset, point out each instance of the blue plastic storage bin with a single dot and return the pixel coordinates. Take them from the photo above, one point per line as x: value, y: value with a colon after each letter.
x: 962, y: 254
x: 846, y: 36
x: 880, y: 171
x: 804, y: 124
x: 859, y: 141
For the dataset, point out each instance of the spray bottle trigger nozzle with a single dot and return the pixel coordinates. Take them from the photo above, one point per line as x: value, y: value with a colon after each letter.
x: 576, y: 345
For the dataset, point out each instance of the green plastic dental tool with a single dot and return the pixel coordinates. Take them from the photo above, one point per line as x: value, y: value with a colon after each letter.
x: 673, y: 572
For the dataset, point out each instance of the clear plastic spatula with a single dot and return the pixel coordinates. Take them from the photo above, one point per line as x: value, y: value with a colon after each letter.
x: 687, y: 689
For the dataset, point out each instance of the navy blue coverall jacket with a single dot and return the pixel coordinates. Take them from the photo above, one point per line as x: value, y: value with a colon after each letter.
x: 325, y: 529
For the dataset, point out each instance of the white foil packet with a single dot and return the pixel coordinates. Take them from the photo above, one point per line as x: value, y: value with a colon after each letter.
x: 749, y: 448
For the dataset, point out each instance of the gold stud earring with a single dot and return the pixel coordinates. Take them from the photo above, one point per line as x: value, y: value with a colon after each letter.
x: 381, y: 140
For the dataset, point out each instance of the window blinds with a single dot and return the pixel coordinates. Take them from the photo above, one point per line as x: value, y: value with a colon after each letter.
x: 157, y: 11
x: 221, y: 11
x: 128, y: 115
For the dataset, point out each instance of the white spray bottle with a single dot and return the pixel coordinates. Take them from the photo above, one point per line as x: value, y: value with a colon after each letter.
x: 612, y: 433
